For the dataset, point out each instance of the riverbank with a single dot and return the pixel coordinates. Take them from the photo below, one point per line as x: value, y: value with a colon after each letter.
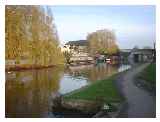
x: 116, y: 96
x: 97, y: 99
x: 102, y: 90
x: 26, y: 67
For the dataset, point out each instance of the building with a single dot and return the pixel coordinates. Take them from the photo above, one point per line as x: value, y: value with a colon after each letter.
x: 142, y: 55
x: 124, y: 55
x: 79, y: 51
x: 76, y: 46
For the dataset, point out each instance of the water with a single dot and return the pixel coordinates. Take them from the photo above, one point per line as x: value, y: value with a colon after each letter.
x: 29, y: 93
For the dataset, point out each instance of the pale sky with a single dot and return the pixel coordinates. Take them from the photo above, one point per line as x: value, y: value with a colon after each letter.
x: 133, y: 25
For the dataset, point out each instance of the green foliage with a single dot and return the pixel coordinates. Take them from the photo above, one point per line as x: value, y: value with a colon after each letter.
x: 102, y: 41
x: 67, y: 56
x: 31, y: 35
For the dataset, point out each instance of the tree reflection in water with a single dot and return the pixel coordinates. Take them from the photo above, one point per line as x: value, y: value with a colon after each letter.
x: 29, y: 93
x: 92, y: 72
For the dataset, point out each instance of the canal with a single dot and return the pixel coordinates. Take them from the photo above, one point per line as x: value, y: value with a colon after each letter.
x: 29, y: 93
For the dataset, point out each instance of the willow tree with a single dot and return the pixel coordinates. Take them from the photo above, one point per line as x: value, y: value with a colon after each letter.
x: 103, y: 42
x: 15, y: 32
x: 31, y: 33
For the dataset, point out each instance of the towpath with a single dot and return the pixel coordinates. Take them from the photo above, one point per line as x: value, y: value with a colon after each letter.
x: 139, y: 102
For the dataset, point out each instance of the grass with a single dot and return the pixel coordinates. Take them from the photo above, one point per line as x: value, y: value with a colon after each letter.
x: 149, y: 74
x: 102, y: 90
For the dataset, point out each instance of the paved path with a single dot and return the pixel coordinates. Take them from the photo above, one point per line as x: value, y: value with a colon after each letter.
x: 140, y: 103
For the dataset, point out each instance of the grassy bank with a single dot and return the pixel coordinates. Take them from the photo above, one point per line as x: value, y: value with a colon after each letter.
x: 102, y: 90
x: 149, y: 74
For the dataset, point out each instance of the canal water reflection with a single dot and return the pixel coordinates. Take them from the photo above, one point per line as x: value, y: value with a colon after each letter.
x: 29, y: 93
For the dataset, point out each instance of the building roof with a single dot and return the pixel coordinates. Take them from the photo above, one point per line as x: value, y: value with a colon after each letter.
x: 78, y: 43
x: 125, y: 50
x: 141, y: 50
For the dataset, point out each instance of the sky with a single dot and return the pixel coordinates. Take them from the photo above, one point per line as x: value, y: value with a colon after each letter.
x: 133, y: 25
